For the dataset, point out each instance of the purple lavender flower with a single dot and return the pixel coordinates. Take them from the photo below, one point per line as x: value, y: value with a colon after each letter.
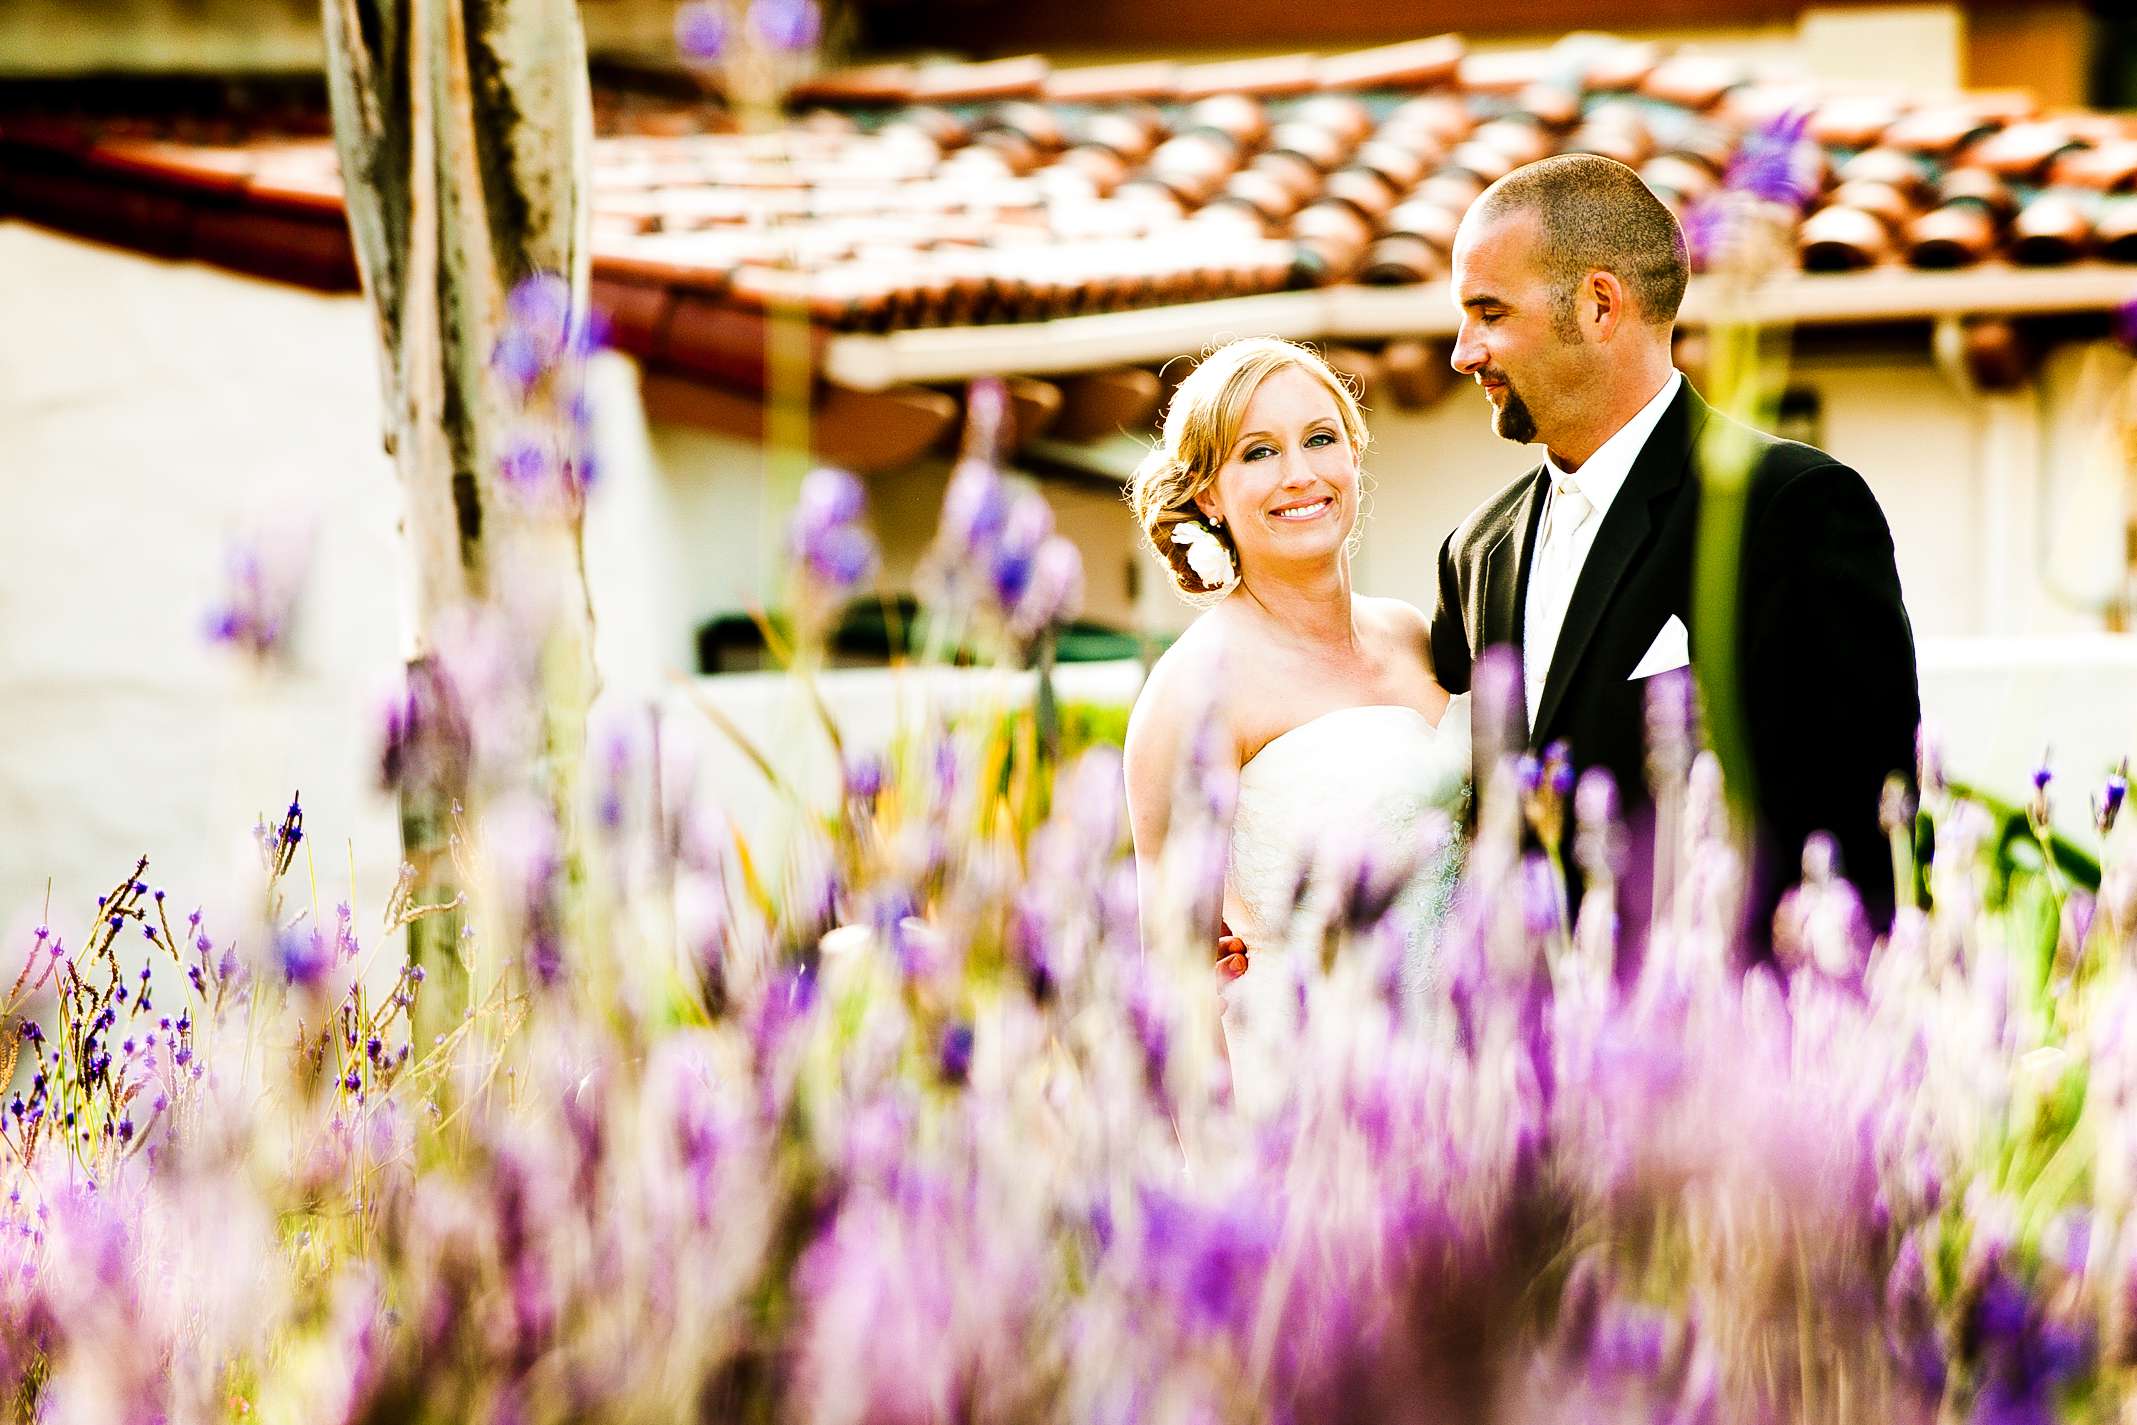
x: 264, y: 575
x: 1771, y: 163
x: 1152, y: 1034
x: 788, y: 1000
x: 832, y: 546
x: 1055, y: 591
x: 865, y: 774
x: 701, y: 29
x: 1671, y: 735
x: 540, y: 360
x: 953, y: 1057
x: 530, y: 860
x: 1929, y: 761
x: 1540, y: 896
x: 2126, y: 324
x: 2108, y: 805
x: 526, y: 465
x: 1707, y: 228
x: 789, y: 26
x: 537, y: 331
x: 1528, y: 773
x: 1029, y: 524
x: 974, y: 506
x: 1558, y: 768
x: 1209, y: 1260
x: 303, y: 956
x: 425, y: 737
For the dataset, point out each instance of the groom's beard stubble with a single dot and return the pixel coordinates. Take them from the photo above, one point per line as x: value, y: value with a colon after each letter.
x: 1511, y: 420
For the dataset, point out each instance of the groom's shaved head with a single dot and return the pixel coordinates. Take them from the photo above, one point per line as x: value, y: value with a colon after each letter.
x: 1595, y: 214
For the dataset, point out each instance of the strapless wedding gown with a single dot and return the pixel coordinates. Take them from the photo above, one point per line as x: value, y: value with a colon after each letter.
x: 1381, y: 780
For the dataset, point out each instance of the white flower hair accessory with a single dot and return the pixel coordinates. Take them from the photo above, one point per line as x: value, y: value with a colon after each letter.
x: 1206, y: 555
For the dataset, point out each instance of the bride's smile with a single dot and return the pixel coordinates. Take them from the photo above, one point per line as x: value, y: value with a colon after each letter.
x: 1304, y: 510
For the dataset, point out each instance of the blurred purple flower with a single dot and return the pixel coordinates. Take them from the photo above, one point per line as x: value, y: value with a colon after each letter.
x: 1528, y: 773
x: 865, y: 774
x: 1772, y: 163
x: 1027, y: 527
x: 1209, y: 1261
x: 540, y: 358
x: 1540, y: 896
x: 974, y: 506
x: 303, y: 956
x: 827, y: 538
x: 790, y: 26
x: 264, y: 575
x: 1671, y: 730
x: 425, y: 737
x: 526, y: 465
x: 537, y: 331
x: 2126, y: 324
x: 1929, y: 761
x: 1054, y: 594
x: 2108, y: 805
x: 701, y: 29
x: 1152, y: 1034
x: 1707, y: 225
x: 953, y: 1055
x: 529, y: 858
x: 788, y: 999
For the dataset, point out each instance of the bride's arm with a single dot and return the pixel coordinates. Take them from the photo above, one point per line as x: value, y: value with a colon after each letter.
x: 1150, y: 765
x: 1167, y: 714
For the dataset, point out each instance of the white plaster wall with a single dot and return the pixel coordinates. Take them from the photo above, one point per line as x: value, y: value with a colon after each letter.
x: 148, y: 410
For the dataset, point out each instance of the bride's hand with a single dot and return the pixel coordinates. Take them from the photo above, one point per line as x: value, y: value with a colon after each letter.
x: 1231, y: 957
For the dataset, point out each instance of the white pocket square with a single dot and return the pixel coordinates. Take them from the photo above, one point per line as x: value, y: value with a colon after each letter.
x: 1672, y: 648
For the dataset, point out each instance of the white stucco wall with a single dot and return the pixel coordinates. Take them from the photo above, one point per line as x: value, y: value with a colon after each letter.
x: 148, y: 411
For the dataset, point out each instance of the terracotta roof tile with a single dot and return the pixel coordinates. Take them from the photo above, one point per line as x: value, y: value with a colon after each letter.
x: 1011, y: 192
x: 965, y: 83
x: 1111, y: 83
x: 1278, y: 74
x: 1414, y: 64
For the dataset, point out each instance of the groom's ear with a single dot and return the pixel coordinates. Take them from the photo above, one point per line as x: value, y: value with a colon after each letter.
x: 1603, y: 305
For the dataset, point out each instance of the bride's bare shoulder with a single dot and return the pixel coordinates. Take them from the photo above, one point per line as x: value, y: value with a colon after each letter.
x: 1402, y: 624
x: 1395, y: 616
x: 1189, y: 667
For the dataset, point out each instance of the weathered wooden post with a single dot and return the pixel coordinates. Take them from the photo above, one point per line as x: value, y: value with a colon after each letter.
x: 464, y: 128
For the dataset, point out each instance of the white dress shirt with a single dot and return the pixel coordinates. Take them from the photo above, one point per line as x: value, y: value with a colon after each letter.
x: 1562, y: 544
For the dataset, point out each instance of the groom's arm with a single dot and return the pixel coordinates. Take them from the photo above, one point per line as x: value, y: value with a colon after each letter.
x: 1451, y: 653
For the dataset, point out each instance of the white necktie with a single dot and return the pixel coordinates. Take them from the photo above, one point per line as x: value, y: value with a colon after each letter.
x: 1551, y: 583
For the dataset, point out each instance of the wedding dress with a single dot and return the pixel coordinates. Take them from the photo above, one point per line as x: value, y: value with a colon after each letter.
x: 1382, y: 782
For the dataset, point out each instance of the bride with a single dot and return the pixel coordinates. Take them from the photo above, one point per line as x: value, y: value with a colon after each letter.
x: 1321, y: 699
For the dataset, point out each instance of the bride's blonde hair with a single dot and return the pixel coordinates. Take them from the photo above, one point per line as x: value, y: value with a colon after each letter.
x: 1201, y: 424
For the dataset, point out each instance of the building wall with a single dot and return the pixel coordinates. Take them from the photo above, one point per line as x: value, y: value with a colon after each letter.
x: 149, y: 412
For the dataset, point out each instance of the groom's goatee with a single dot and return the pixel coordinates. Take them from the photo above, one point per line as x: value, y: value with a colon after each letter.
x: 1511, y: 419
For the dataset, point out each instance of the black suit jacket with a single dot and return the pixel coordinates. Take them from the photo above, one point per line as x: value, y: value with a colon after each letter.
x: 1825, y: 652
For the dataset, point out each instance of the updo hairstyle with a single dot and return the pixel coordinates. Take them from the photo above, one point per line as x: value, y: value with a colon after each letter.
x: 1201, y: 424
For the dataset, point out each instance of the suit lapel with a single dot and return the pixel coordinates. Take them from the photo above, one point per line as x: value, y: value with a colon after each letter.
x: 1654, y: 477
x: 1506, y: 568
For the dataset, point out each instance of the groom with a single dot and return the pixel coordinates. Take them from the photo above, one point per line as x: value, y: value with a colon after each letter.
x: 1568, y: 273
